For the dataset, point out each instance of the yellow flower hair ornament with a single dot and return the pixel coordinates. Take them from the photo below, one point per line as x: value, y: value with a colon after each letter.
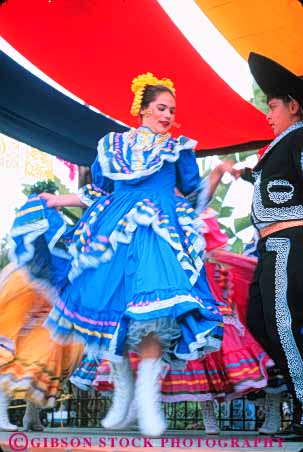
x: 138, y: 85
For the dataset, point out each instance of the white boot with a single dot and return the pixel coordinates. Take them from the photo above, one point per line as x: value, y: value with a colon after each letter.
x: 272, y: 421
x: 131, y: 417
x: 123, y: 394
x: 148, y: 392
x: 31, y: 418
x: 4, y: 420
x: 209, y: 418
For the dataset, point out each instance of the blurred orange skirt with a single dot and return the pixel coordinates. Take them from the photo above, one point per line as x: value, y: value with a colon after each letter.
x: 32, y: 364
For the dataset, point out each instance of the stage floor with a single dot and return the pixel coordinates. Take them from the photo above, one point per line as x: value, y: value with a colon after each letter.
x: 98, y: 440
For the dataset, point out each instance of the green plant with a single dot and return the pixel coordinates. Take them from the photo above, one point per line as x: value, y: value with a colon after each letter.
x: 230, y: 224
x: 48, y: 186
x: 3, y: 252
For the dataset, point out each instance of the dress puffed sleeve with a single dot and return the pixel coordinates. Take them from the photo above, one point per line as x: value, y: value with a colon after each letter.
x: 101, y: 186
x: 189, y: 182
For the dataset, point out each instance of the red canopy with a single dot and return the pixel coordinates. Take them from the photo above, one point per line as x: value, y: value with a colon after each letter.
x: 94, y: 49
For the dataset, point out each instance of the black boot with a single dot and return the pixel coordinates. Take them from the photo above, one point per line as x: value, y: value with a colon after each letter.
x: 294, y: 431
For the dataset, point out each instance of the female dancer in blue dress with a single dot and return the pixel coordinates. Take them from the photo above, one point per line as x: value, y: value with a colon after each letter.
x: 130, y: 275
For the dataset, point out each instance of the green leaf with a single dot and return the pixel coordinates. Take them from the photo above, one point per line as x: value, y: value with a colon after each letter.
x: 242, y: 223
x: 216, y: 204
x: 228, y: 231
x: 63, y: 190
x: 259, y: 99
x: 226, y: 212
x: 47, y: 186
x: 4, y: 247
x: 237, y: 246
x: 222, y: 190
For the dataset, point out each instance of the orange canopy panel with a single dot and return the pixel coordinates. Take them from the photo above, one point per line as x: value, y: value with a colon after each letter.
x: 270, y: 27
x: 94, y: 48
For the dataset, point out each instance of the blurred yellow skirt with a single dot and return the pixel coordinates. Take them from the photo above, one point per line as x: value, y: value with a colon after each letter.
x: 32, y: 364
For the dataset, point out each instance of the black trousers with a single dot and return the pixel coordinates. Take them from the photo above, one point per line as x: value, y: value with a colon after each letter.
x: 275, y: 307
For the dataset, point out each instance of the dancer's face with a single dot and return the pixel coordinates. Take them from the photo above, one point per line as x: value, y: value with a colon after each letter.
x: 282, y: 115
x: 160, y: 114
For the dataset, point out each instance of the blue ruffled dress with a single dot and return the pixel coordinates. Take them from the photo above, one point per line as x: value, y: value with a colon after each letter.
x: 133, y: 265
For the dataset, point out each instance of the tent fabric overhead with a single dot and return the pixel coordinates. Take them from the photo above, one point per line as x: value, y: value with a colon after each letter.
x: 272, y: 28
x: 33, y: 112
x: 95, y: 48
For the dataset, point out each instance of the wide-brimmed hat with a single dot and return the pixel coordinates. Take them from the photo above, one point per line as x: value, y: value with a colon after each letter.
x: 275, y: 79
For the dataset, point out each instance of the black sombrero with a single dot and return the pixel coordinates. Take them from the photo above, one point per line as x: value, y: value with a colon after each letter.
x: 275, y: 79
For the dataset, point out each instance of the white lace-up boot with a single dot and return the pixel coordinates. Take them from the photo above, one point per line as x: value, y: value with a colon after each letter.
x: 4, y: 420
x: 148, y: 392
x: 31, y: 418
x: 272, y: 421
x: 131, y: 417
x: 123, y: 394
x: 209, y: 418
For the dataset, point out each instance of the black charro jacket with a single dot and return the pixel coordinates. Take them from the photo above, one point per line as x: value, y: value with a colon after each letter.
x: 278, y: 180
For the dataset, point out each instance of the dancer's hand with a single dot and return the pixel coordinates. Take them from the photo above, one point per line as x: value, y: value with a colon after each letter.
x: 67, y: 200
x: 51, y: 199
x: 236, y: 173
x: 227, y: 166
